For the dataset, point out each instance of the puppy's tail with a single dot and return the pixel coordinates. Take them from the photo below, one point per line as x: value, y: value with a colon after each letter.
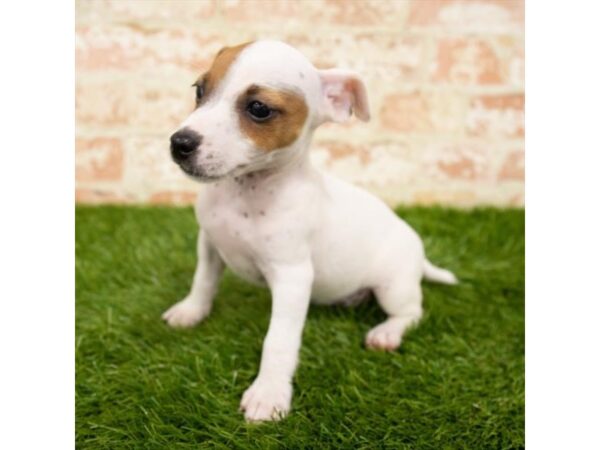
x: 437, y: 274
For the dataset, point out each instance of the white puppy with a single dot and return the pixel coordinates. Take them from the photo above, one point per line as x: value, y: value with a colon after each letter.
x: 274, y: 220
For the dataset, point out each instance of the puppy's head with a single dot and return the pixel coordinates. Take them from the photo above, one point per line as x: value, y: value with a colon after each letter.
x: 257, y: 106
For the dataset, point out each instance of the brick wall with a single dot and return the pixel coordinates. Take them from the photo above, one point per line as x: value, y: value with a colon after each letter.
x: 445, y: 78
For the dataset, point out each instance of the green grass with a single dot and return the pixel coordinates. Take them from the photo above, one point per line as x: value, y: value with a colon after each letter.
x: 456, y: 382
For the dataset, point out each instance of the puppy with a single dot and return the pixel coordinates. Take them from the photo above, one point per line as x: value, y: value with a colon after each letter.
x: 274, y: 220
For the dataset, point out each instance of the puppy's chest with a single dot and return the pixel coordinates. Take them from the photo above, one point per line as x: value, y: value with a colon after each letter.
x: 238, y: 234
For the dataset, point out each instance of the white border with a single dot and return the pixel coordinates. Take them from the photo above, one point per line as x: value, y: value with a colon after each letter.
x: 37, y: 226
x: 563, y: 225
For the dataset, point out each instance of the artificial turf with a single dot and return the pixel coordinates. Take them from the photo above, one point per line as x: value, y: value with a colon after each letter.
x: 456, y: 382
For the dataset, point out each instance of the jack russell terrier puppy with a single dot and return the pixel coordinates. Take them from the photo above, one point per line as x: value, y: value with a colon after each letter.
x: 275, y: 220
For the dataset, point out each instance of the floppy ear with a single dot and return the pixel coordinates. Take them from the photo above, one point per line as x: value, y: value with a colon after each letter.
x: 343, y: 92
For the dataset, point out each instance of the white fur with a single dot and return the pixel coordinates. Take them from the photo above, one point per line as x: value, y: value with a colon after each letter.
x: 274, y: 220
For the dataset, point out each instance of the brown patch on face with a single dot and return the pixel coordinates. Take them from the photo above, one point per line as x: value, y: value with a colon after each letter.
x: 220, y: 66
x: 283, y: 127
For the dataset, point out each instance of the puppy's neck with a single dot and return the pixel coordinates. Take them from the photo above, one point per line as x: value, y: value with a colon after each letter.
x: 258, y: 181
x: 280, y: 169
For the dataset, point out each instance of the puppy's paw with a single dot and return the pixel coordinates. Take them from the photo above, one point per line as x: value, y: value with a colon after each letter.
x: 185, y: 314
x: 266, y: 400
x: 385, y: 336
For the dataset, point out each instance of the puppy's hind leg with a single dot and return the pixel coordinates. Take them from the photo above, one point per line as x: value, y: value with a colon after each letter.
x: 401, y: 299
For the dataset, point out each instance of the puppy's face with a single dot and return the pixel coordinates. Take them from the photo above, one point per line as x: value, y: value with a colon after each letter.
x: 256, y: 107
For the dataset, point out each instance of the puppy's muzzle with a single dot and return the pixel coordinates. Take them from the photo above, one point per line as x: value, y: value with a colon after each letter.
x: 184, y: 143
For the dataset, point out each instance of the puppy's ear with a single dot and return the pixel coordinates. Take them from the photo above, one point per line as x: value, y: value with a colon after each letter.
x: 343, y: 92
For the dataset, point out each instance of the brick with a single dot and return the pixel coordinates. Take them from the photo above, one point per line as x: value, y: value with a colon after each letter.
x: 511, y: 51
x: 174, y: 198
x: 363, y: 12
x: 444, y: 196
x: 467, y: 61
x: 150, y: 170
x: 161, y: 11
x: 468, y: 15
x: 462, y: 167
x: 380, y: 57
x: 340, y: 128
x: 423, y: 111
x: 374, y: 166
x: 143, y: 103
x: 513, y: 167
x: 328, y: 12
x: 135, y: 61
x: 98, y: 159
x: 130, y: 47
x: 339, y: 150
x: 269, y: 11
x: 497, y: 115
x: 516, y: 200
x: 461, y: 161
x: 100, y: 196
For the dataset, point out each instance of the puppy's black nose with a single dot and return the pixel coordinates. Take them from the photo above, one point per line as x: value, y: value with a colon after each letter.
x: 184, y: 142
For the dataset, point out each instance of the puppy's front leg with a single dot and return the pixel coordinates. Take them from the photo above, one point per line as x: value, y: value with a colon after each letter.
x: 270, y: 396
x: 198, y: 303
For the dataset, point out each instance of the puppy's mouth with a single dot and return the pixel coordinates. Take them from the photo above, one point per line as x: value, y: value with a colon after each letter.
x: 199, y: 174
x: 205, y: 176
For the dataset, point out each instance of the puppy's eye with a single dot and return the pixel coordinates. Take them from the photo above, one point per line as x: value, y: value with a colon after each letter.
x: 259, y: 112
x: 199, y: 92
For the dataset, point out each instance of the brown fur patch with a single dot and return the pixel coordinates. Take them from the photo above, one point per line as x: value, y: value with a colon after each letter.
x: 219, y: 68
x: 290, y: 112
